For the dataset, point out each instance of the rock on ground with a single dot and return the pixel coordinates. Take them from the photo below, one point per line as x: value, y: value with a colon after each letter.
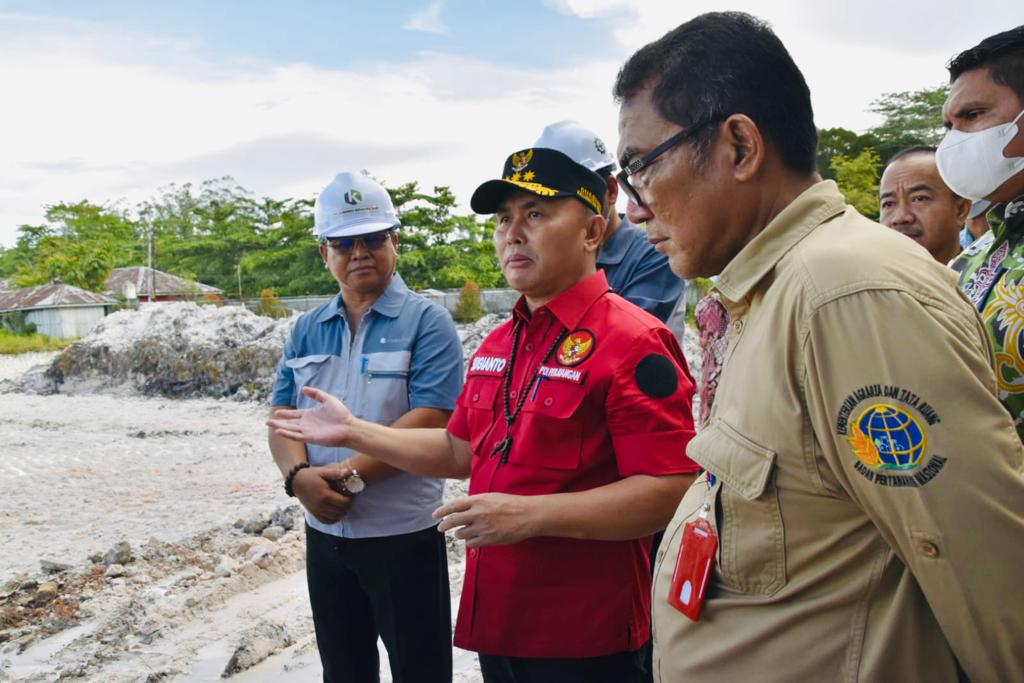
x: 256, y: 644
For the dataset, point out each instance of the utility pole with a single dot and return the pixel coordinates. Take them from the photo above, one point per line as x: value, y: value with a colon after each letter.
x: 151, y: 274
x: 239, y: 270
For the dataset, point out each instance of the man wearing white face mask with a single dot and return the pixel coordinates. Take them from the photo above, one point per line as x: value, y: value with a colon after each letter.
x: 982, y: 158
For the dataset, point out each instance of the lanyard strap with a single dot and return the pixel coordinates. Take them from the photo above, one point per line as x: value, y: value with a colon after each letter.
x: 504, y: 447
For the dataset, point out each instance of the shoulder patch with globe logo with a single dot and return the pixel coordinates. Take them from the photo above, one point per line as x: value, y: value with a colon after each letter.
x: 886, y: 427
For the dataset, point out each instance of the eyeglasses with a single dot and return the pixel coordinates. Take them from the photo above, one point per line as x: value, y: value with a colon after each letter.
x: 646, y: 160
x: 372, y: 242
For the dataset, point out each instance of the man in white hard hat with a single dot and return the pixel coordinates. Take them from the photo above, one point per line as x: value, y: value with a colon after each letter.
x: 635, y: 271
x: 375, y: 563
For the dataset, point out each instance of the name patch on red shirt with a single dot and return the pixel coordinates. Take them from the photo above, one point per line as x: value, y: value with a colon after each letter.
x: 488, y: 365
x: 564, y: 374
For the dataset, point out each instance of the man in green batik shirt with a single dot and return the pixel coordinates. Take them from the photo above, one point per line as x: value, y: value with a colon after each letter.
x: 982, y: 157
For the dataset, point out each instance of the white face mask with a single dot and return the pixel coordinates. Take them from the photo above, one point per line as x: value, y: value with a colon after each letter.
x: 973, y: 165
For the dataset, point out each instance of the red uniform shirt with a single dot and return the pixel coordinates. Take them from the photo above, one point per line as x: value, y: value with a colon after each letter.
x: 604, y: 407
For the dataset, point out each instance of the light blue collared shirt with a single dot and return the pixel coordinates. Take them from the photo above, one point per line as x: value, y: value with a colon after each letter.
x: 405, y: 354
x: 638, y: 273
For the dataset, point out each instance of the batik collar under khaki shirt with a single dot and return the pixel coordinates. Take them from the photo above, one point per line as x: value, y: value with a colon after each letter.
x: 870, y: 492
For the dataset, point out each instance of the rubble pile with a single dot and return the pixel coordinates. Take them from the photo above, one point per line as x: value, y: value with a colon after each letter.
x: 178, y: 350
x: 472, y: 335
x: 131, y: 598
x: 182, y: 350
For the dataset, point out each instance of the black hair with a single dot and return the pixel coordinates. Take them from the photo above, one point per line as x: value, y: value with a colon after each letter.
x: 910, y: 151
x: 724, y: 63
x: 1002, y: 54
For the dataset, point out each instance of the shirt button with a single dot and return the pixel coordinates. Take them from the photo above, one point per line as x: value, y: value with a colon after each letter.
x: 548, y: 401
x: 928, y: 549
x: 737, y: 326
x: 473, y: 552
x: 512, y: 393
x: 529, y: 347
x: 476, y: 397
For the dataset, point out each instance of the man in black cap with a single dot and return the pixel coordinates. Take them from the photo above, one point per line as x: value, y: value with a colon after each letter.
x: 573, y: 425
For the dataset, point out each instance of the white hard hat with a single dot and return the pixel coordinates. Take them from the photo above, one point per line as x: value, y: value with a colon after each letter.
x: 979, y: 207
x: 352, y: 205
x: 580, y: 144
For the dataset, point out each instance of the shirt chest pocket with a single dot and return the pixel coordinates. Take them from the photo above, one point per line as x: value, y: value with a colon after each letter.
x: 385, y: 386
x: 549, y: 431
x: 323, y: 371
x: 752, y: 553
x: 479, y: 399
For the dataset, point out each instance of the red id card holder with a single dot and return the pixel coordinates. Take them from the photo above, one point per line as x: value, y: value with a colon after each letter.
x: 694, y: 563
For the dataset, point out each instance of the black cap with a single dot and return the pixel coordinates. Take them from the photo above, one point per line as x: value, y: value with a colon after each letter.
x: 545, y: 173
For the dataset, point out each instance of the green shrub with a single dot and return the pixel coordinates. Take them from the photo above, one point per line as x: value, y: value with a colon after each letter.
x: 16, y: 322
x: 23, y: 343
x: 270, y: 306
x: 470, y: 306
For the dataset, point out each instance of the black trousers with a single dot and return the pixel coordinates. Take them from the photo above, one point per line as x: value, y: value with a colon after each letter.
x: 623, y: 667
x: 392, y: 586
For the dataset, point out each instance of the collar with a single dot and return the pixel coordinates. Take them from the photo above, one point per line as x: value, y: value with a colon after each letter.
x: 570, y: 306
x: 815, y: 205
x: 388, y: 304
x: 614, y: 250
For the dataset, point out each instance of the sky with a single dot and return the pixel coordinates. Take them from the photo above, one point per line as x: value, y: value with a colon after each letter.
x: 113, y: 101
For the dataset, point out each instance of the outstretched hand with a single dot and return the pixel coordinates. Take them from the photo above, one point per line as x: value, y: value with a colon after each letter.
x: 328, y: 424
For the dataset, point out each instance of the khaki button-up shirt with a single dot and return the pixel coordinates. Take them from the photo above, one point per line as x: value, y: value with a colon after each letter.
x: 870, y: 488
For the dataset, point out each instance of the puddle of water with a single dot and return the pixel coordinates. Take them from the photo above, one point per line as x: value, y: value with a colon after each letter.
x: 36, y: 658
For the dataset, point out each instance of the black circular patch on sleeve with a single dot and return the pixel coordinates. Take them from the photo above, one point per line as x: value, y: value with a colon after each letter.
x: 656, y: 375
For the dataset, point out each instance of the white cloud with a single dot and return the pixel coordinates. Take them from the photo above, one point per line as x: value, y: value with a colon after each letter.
x: 850, y: 53
x: 427, y: 19
x: 101, y: 113
x: 88, y: 124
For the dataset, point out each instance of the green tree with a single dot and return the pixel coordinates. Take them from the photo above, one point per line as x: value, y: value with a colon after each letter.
x: 438, y: 249
x: 833, y: 142
x: 78, y: 245
x: 910, y: 118
x: 857, y: 178
x: 219, y: 231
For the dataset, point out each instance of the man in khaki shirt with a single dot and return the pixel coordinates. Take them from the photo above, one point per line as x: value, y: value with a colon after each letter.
x: 868, y: 488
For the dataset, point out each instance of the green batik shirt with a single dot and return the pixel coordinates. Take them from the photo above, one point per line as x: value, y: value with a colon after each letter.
x: 992, y: 276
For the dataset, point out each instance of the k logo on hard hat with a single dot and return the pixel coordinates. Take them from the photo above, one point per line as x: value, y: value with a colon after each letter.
x: 353, y: 197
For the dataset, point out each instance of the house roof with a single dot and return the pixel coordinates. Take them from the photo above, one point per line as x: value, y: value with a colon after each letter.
x: 165, y: 284
x: 51, y: 296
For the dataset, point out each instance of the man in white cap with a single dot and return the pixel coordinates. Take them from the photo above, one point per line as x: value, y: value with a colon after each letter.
x: 375, y: 563
x: 635, y: 271
x: 977, y: 225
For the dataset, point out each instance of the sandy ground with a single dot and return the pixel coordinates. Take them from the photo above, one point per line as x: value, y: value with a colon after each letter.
x: 149, y: 540
x: 80, y: 474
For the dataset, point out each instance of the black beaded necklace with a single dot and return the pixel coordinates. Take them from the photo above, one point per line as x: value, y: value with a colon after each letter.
x: 504, y: 446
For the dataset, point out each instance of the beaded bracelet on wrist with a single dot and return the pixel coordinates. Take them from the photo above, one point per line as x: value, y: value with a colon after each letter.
x: 291, y: 477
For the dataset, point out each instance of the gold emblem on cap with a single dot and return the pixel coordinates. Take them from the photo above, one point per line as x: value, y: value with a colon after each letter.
x: 521, y: 159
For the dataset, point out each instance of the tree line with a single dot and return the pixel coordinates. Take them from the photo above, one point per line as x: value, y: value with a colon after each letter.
x: 220, y: 234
